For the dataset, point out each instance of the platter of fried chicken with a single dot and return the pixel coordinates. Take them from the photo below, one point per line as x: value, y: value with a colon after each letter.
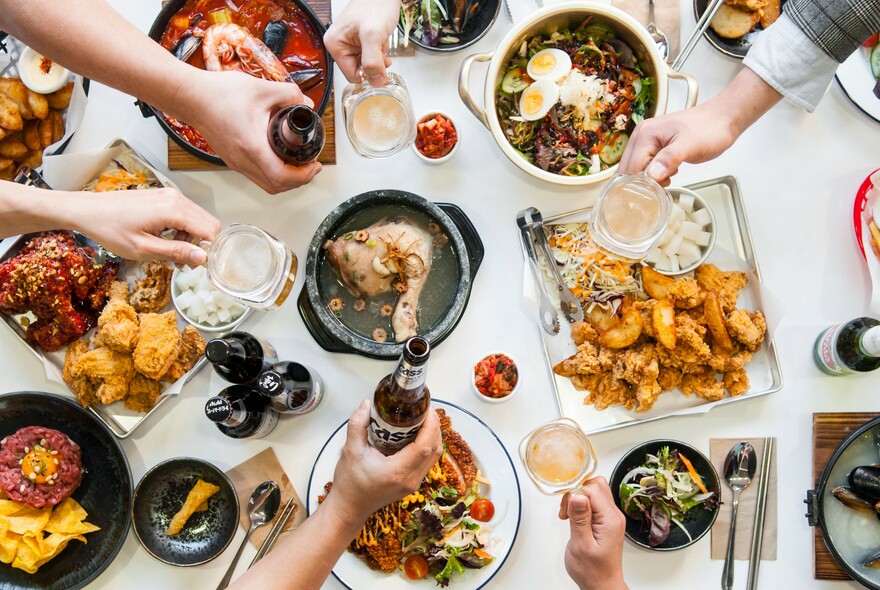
x: 652, y: 345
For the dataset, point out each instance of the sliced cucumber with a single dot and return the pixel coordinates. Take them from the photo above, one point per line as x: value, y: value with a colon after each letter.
x: 612, y: 151
x: 515, y: 80
x: 875, y: 61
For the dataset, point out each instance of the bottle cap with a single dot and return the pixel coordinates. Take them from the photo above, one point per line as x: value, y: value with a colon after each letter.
x: 217, y: 350
x: 270, y: 383
x: 218, y: 409
x: 416, y: 350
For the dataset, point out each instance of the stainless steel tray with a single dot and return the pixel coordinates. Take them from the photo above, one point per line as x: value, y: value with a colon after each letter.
x: 733, y: 250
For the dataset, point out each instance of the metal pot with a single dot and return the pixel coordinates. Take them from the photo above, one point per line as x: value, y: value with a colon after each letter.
x: 158, y: 29
x: 329, y: 331
x: 818, y: 501
x: 545, y: 21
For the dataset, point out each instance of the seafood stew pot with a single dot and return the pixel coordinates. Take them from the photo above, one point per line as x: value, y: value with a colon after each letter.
x: 545, y: 21
x: 320, y: 92
x: 350, y: 303
x: 844, y: 510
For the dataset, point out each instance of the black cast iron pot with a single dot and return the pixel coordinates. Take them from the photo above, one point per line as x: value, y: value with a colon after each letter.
x: 158, y: 29
x: 329, y: 331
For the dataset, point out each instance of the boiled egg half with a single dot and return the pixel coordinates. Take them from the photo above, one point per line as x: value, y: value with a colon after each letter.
x: 537, y: 100
x: 550, y: 64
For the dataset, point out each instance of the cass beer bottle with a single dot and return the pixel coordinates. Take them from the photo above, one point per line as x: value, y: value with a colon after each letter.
x: 239, y: 357
x: 853, y: 347
x: 402, y: 400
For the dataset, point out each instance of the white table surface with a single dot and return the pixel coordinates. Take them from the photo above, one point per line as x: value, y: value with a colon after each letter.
x: 798, y: 172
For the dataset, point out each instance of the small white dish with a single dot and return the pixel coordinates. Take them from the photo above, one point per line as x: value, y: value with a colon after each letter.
x: 699, y: 204
x: 495, y: 400
x: 424, y: 118
x: 30, y: 70
x: 233, y: 323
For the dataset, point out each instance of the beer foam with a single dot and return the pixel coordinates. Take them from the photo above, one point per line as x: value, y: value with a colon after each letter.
x: 557, y: 455
x: 245, y: 262
x: 379, y: 122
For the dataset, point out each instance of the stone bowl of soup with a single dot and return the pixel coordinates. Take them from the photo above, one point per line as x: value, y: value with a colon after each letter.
x: 349, y: 307
x: 289, y: 28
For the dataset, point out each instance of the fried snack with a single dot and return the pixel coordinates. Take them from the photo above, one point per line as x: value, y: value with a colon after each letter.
x: 663, y: 323
x: 31, y: 135
x: 83, y: 387
x: 733, y: 23
x: 749, y: 5
x: 142, y: 394
x: 727, y: 284
x: 27, y: 119
x: 33, y: 159
x: 13, y: 148
x: 192, y: 347
x: 44, y: 130
x: 114, y: 371
x: 118, y: 322
x: 158, y: 344
x: 37, y: 103
x: 747, y: 329
x: 16, y: 91
x: 715, y: 321
x: 10, y: 115
x: 57, y: 125
x: 153, y: 292
x: 60, y: 99
x: 200, y: 493
x: 624, y: 331
x: 770, y: 12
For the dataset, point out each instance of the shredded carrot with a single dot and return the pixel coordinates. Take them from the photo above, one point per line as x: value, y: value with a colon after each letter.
x: 694, y: 474
x: 483, y: 554
x: 449, y: 536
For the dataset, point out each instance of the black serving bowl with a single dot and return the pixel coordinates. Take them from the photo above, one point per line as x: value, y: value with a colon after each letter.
x: 162, y: 492
x: 158, y: 29
x: 105, y: 491
x: 850, y: 535
x: 698, y: 523
x: 477, y: 27
x: 737, y: 48
x: 329, y: 331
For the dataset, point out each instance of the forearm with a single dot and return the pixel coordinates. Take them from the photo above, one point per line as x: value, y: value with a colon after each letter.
x: 26, y: 209
x: 90, y: 38
x: 306, y: 557
x: 745, y: 100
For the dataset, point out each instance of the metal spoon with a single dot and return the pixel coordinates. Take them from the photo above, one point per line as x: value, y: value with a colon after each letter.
x: 657, y: 35
x: 739, y: 469
x: 262, y: 507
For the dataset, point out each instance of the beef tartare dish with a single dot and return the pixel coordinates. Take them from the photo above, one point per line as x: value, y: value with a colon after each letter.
x: 39, y: 466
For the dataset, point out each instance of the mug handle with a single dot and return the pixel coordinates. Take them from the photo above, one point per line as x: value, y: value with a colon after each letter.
x: 464, y: 92
x: 693, y: 89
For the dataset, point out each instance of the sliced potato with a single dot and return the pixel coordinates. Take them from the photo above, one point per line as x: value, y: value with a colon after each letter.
x: 12, y: 148
x: 60, y: 99
x: 656, y: 285
x: 38, y: 104
x: 10, y: 115
x: 31, y: 136
x: 733, y: 23
x: 5, y: 163
x: 663, y: 322
x: 18, y: 92
x: 57, y: 125
x: 34, y: 159
x: 8, y: 173
x: 624, y: 331
x: 714, y: 315
x: 2, y: 133
x: 600, y: 318
x: 45, y: 131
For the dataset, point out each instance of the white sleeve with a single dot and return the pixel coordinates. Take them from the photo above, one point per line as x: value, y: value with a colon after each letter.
x: 785, y: 58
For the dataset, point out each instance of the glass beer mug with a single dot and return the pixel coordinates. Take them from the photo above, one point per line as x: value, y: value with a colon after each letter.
x: 379, y: 120
x: 558, y: 456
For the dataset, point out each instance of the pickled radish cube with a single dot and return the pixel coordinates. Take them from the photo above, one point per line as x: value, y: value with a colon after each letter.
x: 686, y: 202
x: 685, y: 261
x: 223, y: 300
x: 703, y: 239
x: 668, y: 233
x: 223, y: 314
x: 208, y: 300
x: 202, y: 318
x: 237, y: 309
x: 671, y: 248
x: 690, y: 250
x: 185, y: 299
x: 203, y: 285
x: 183, y: 280
x: 655, y: 256
x: 701, y: 217
x: 674, y: 264
x: 689, y: 230
x: 677, y: 215
x: 213, y: 319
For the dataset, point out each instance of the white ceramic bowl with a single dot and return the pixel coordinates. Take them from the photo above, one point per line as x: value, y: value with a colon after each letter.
x: 222, y: 327
x: 35, y: 81
x: 699, y: 203
x: 496, y: 400
x: 447, y: 157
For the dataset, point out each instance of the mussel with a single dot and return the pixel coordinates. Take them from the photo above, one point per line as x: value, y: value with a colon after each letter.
x: 306, y: 79
x: 275, y: 36
x: 872, y: 561
x: 850, y: 499
x: 186, y: 47
x: 865, y: 482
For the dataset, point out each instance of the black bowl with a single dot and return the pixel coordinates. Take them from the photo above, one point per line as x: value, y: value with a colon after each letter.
x: 700, y: 520
x: 162, y: 492
x: 105, y: 492
x: 732, y: 47
x: 171, y: 8
x: 329, y: 331
x: 477, y: 27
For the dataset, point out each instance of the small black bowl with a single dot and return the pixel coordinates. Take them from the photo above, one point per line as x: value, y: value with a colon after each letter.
x: 162, y: 492
x: 477, y: 27
x: 699, y: 521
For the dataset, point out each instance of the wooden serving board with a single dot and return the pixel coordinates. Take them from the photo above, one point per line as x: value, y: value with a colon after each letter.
x: 180, y: 159
x: 829, y: 430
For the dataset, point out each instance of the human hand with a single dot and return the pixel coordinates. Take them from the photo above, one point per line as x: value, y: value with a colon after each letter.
x: 594, y: 554
x: 359, y: 38
x: 366, y: 480
x: 128, y: 223
x: 232, y: 111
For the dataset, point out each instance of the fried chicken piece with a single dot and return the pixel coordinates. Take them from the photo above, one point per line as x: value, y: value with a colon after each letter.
x: 142, y: 394
x: 736, y: 382
x: 607, y: 359
x: 747, y: 329
x: 611, y: 392
x: 647, y: 394
x: 690, y: 348
x: 83, y: 387
x: 114, y: 370
x: 704, y: 385
x: 727, y: 284
x: 153, y: 292
x: 584, y: 362
x: 668, y: 378
x: 645, y: 309
x: 583, y: 332
x: 638, y: 365
x: 158, y: 344
x: 192, y: 347
x: 725, y: 361
x: 585, y: 382
x: 118, y: 322
x: 686, y: 293
x: 457, y: 451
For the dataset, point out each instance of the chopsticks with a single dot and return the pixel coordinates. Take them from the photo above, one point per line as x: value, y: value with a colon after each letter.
x: 275, y: 531
x: 701, y: 27
x: 760, y: 510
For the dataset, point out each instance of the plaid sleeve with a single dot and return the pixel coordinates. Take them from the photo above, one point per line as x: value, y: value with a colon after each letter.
x: 838, y: 27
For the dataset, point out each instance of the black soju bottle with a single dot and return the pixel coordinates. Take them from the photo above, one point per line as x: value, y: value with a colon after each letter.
x: 853, y: 347
x: 240, y: 411
x: 291, y: 388
x: 239, y: 357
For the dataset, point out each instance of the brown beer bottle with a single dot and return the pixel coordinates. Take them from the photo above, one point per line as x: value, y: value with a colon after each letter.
x: 297, y: 134
x: 402, y: 400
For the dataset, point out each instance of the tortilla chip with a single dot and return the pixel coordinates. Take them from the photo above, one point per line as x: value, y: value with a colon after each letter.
x: 198, y: 495
x: 8, y: 543
x: 69, y: 518
x: 28, y: 521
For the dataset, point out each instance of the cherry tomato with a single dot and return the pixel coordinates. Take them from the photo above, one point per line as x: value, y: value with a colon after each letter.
x: 415, y: 567
x: 482, y: 509
x: 872, y: 40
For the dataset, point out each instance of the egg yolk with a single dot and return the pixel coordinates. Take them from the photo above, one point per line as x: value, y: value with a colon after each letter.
x: 39, y: 465
x: 544, y: 64
x: 532, y: 103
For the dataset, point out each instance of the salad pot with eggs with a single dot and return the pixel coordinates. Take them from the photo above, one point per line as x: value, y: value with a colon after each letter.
x: 566, y: 88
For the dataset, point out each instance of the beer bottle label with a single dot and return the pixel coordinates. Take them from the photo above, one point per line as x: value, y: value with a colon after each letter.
x: 389, y: 438
x: 410, y: 377
x: 826, y: 352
